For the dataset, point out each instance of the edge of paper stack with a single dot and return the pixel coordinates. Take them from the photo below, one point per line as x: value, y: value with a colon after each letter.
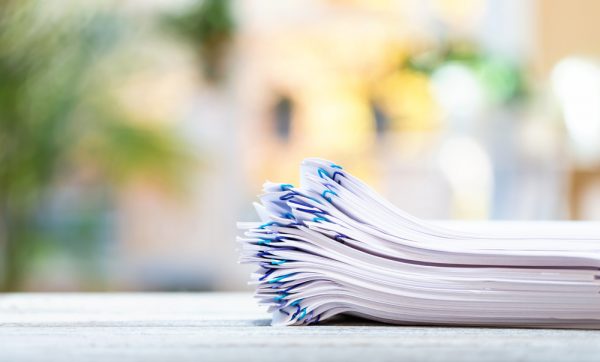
x: 334, y: 246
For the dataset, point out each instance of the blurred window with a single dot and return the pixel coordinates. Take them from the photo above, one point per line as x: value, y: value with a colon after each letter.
x: 283, y: 118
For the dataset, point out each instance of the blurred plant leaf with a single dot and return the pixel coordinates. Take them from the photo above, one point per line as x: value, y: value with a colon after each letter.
x: 125, y: 150
x: 48, y: 53
x: 209, y: 26
x: 504, y: 80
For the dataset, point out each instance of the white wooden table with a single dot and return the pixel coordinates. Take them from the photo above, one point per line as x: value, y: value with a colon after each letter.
x: 230, y: 327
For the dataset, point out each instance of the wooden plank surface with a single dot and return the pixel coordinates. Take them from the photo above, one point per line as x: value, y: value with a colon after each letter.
x: 230, y: 327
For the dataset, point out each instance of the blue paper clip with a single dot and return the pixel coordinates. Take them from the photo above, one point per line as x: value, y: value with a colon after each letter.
x: 264, y: 241
x: 295, y: 303
x: 324, y: 194
x: 270, y: 223
x: 302, y: 314
x: 285, y: 187
x: 288, y: 215
x: 266, y: 275
x: 322, y: 172
x: 288, y: 196
x: 280, y: 297
x: 335, y: 174
x: 279, y: 278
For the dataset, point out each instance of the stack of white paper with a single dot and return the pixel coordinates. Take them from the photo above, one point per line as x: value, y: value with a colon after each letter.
x: 335, y: 246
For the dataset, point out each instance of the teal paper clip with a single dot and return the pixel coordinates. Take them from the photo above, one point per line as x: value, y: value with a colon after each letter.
x: 277, y: 279
x: 285, y: 187
x: 328, y: 198
x: 322, y: 172
x: 302, y: 314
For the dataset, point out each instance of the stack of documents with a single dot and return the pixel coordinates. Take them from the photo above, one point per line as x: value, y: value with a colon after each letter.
x: 333, y: 245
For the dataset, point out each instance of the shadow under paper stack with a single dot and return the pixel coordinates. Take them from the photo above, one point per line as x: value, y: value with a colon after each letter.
x: 335, y: 246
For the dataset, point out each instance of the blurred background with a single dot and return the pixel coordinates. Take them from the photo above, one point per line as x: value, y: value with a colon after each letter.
x: 135, y: 133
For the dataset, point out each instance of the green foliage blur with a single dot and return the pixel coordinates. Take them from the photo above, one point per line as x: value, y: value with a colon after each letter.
x: 56, y: 117
x: 208, y: 26
x: 504, y: 80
